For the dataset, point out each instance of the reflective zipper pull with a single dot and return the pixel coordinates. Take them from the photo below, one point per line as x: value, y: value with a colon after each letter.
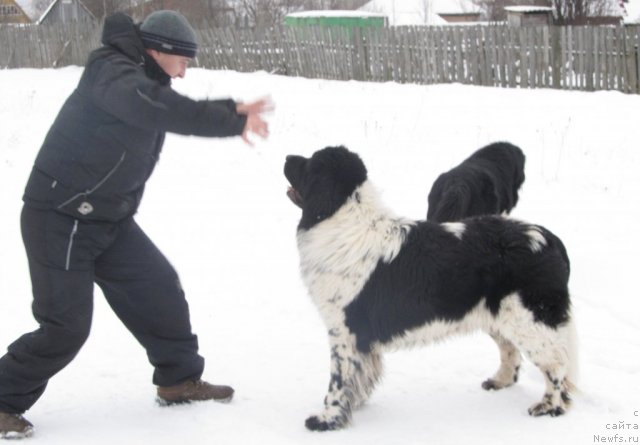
x: 70, y: 246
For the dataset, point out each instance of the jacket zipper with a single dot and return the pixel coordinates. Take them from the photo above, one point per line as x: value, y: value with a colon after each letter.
x: 70, y: 246
x: 98, y: 185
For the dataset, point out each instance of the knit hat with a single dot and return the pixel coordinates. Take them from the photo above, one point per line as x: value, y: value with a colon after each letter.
x: 169, y: 32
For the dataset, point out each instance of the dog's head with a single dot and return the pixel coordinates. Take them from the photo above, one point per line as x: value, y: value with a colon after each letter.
x: 321, y: 184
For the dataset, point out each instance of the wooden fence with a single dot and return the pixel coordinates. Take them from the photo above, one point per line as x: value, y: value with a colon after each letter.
x: 47, y: 46
x: 581, y: 58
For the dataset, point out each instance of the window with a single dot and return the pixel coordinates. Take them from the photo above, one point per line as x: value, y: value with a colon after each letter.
x: 9, y: 10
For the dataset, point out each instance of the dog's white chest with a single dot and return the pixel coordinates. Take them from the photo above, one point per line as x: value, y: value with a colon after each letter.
x: 338, y: 255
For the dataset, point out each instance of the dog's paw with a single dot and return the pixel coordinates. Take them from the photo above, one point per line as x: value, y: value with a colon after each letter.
x: 318, y: 423
x: 506, y: 376
x: 546, y: 408
x: 495, y: 385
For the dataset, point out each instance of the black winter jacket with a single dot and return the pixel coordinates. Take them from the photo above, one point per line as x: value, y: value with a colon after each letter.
x: 106, y: 139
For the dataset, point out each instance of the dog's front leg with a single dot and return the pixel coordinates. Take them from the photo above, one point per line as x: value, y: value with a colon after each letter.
x: 340, y: 397
x: 353, y: 376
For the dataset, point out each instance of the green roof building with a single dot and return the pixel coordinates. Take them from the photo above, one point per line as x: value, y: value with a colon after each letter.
x: 343, y: 19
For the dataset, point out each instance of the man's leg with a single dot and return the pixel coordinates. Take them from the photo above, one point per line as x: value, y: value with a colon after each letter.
x: 62, y: 305
x: 144, y: 291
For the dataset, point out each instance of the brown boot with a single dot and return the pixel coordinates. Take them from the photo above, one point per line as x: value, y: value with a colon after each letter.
x: 14, y: 426
x: 192, y: 391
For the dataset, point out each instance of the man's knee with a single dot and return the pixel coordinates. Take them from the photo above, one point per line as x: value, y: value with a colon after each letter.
x: 53, y: 340
x: 73, y: 335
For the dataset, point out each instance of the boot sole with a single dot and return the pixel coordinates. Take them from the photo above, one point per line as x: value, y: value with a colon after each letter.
x: 164, y: 402
x: 17, y: 435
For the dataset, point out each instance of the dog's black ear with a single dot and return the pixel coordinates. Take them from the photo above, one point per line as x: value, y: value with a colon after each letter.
x: 453, y: 205
x: 350, y: 170
x: 321, y: 201
x: 491, y: 198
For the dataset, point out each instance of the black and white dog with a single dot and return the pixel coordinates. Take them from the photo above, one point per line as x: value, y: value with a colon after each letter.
x: 382, y: 282
x: 486, y: 183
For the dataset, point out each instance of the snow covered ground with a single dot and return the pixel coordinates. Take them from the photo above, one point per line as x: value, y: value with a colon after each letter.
x: 218, y: 210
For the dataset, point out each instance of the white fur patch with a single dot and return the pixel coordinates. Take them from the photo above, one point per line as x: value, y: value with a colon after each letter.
x: 546, y: 346
x: 537, y: 240
x: 338, y: 255
x: 455, y: 228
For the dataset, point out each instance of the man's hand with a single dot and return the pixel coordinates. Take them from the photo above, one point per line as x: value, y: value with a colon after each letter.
x: 255, y: 122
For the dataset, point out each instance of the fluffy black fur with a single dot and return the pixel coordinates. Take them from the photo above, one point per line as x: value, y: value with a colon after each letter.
x: 438, y: 277
x: 486, y: 183
x: 438, y: 273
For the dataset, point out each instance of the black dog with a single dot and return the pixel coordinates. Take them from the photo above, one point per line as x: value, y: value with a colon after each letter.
x: 486, y: 183
x: 382, y: 282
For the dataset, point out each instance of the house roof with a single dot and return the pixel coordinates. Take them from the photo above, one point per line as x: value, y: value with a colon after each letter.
x: 35, y: 9
x: 419, y: 12
x: 528, y: 9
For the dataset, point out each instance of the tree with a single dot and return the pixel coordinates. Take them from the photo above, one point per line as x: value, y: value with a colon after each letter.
x: 565, y: 12
x: 493, y: 10
x: 578, y: 12
x: 103, y: 8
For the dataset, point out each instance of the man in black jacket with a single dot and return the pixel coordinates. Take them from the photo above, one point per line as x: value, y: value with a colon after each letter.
x: 77, y: 221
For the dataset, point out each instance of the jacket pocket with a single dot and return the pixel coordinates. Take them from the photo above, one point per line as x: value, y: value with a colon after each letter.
x: 59, y: 240
x: 80, y: 204
x: 68, y: 243
x: 52, y: 239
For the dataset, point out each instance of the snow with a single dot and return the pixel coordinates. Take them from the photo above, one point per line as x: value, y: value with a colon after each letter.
x: 218, y: 210
x: 419, y: 12
x: 528, y: 9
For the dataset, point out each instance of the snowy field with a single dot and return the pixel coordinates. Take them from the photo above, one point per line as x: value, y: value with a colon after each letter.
x: 218, y: 210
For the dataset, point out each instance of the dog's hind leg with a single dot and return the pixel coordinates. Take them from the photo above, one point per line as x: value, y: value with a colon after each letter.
x: 556, y: 399
x: 550, y: 350
x: 353, y: 377
x: 555, y: 356
x: 510, y: 361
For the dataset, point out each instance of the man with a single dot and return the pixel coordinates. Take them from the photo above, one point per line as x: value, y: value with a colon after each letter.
x: 77, y: 221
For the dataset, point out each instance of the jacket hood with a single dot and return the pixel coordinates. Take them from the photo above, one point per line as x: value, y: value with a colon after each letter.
x: 122, y: 34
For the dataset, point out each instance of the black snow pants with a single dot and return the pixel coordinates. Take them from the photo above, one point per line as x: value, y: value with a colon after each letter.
x: 66, y: 257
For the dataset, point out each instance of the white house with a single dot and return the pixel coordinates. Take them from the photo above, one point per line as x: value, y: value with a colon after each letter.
x: 51, y: 11
x: 631, y: 12
x: 423, y: 12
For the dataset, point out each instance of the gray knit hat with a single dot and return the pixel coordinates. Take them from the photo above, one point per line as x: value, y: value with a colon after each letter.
x: 169, y: 32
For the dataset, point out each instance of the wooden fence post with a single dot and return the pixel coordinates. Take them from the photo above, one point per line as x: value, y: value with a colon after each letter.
x: 556, y: 57
x: 632, y: 62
